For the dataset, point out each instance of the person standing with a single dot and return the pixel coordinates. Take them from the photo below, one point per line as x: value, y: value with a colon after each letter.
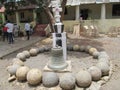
x: 5, y: 33
x: 27, y: 29
x: 10, y: 27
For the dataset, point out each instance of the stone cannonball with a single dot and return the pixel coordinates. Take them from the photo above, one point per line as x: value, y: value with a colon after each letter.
x: 92, y: 50
x: 13, y: 68
x: 82, y: 48
x: 50, y: 79
x: 34, y: 76
x: 21, y: 56
x: 104, y: 68
x: 33, y: 52
x: 67, y: 81
x: 87, y: 48
x: 103, y: 54
x: 104, y: 60
x: 83, y: 78
x: 41, y: 49
x: 95, y: 73
x: 95, y: 54
x: 17, y: 61
x: 21, y: 73
x: 69, y: 47
x: 76, y: 47
x: 26, y: 53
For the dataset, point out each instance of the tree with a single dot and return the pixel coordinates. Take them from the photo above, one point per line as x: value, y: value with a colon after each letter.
x: 41, y: 5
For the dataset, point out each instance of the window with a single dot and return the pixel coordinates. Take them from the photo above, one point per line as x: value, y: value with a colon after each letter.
x: 22, y: 15
x: 116, y: 10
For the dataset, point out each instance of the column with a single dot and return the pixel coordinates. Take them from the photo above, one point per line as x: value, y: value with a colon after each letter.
x: 34, y: 16
x: 103, y: 11
x: 77, y: 12
x: 17, y: 18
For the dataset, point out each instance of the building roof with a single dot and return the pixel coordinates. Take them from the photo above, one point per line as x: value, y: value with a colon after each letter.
x: 78, y: 2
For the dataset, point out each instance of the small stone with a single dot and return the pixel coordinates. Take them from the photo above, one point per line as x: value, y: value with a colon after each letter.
x: 33, y: 52
x: 12, y: 78
x: 21, y: 56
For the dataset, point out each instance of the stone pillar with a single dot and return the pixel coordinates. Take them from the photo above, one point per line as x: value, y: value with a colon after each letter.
x: 17, y: 18
x: 103, y: 11
x: 77, y: 13
x: 34, y: 16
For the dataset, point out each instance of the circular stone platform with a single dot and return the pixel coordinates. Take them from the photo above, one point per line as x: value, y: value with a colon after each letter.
x: 79, y: 60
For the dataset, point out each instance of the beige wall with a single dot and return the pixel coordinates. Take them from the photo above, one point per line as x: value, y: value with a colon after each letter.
x: 103, y: 25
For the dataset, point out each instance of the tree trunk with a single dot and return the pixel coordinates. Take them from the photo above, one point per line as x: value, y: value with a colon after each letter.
x: 63, y: 8
x: 50, y: 18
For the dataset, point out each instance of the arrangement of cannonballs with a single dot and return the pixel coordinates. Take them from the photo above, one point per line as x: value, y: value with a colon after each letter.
x: 67, y: 81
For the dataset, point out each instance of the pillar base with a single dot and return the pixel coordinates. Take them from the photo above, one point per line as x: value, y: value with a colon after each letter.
x: 66, y: 69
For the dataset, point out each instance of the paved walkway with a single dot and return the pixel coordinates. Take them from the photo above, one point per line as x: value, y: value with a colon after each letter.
x: 20, y: 42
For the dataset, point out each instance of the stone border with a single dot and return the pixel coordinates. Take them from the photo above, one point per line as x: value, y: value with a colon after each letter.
x: 94, y: 86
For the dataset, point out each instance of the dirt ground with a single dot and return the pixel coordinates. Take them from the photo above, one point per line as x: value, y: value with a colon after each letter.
x: 78, y: 60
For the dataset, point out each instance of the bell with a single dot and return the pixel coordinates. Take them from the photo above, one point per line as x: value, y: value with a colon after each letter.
x: 57, y: 61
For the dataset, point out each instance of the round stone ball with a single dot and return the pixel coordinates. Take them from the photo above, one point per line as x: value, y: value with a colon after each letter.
x: 104, y: 68
x: 34, y: 76
x: 83, y: 78
x: 69, y: 47
x: 21, y: 73
x: 92, y: 50
x: 103, y: 54
x: 47, y: 48
x: 104, y: 60
x: 50, y: 79
x: 26, y: 53
x: 41, y: 49
x: 95, y: 73
x: 95, y: 54
x: 87, y: 48
x: 13, y: 68
x: 67, y: 81
x: 76, y: 47
x: 17, y: 61
x: 21, y: 56
x: 33, y: 52
x: 82, y: 48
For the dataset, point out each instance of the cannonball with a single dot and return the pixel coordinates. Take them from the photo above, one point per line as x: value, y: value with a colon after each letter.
x: 13, y: 68
x: 103, y: 54
x: 76, y: 47
x: 33, y: 52
x: 34, y: 76
x: 67, y: 81
x: 18, y: 61
x: 26, y: 53
x: 50, y: 79
x: 41, y: 49
x: 92, y: 50
x: 103, y: 60
x: 87, y: 48
x: 21, y: 56
x: 95, y: 73
x: 83, y: 78
x: 104, y: 68
x: 82, y: 48
x: 69, y: 47
x: 95, y: 54
x: 21, y: 73
x: 47, y: 48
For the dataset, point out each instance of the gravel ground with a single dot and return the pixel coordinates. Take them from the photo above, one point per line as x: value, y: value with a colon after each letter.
x: 79, y: 60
